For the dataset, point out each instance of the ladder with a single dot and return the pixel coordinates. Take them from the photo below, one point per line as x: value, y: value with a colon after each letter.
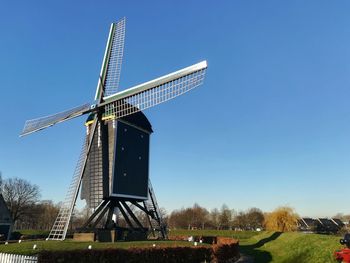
x: 155, y: 218
x: 60, y: 227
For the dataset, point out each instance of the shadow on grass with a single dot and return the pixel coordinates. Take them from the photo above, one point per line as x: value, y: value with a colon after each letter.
x: 259, y: 255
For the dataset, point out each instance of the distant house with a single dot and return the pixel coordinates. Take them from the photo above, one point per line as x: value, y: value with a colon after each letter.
x: 307, y: 224
x: 338, y: 222
x: 6, y: 221
x: 329, y: 225
x: 320, y: 225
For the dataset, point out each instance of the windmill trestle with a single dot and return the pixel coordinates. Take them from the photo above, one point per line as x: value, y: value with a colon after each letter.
x: 109, y: 213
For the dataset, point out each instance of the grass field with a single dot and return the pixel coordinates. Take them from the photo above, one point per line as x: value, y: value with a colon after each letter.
x: 222, y: 233
x: 290, y: 247
x: 265, y: 247
x: 34, y: 232
x: 273, y: 247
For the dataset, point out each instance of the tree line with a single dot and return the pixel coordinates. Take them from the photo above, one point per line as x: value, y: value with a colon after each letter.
x: 26, y: 209
x: 29, y: 212
x: 197, y: 217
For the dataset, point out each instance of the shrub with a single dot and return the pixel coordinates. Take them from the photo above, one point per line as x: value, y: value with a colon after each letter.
x: 178, y: 238
x: 161, y: 255
x: 216, y: 253
x: 209, y: 239
x: 226, y: 253
x: 226, y: 241
x: 16, y: 235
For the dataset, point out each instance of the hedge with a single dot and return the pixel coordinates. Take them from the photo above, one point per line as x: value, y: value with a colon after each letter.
x: 226, y: 253
x: 217, y: 254
x: 169, y: 254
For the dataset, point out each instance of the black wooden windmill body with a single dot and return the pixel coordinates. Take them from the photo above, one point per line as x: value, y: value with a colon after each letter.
x: 112, y: 171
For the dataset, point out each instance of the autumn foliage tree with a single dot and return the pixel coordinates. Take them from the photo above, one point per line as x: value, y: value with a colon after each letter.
x: 282, y: 219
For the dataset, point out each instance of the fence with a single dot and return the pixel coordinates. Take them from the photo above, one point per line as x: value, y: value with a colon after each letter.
x: 12, y: 258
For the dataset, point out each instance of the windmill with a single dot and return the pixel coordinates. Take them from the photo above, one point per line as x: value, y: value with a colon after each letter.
x: 112, y: 170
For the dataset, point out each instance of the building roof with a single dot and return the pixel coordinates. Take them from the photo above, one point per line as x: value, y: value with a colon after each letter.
x: 5, y: 216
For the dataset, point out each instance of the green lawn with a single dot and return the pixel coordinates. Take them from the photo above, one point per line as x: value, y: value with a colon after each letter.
x: 274, y: 247
x: 290, y: 247
x: 265, y: 246
x: 30, y: 232
x: 222, y: 233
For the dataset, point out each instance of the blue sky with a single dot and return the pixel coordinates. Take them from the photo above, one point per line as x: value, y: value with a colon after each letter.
x: 270, y: 126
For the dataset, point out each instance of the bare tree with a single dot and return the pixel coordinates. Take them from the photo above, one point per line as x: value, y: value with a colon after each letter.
x: 214, y: 218
x: 20, y: 196
x: 195, y: 217
x: 225, y: 217
x: 240, y: 221
x: 249, y: 220
x: 254, y: 219
x: 47, y: 214
x: 343, y: 217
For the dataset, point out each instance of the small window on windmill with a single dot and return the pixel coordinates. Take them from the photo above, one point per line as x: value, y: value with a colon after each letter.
x: 130, y: 176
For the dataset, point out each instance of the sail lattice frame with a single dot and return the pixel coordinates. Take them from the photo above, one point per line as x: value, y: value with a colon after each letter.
x: 115, y: 60
x: 60, y: 227
x: 153, y: 96
x: 44, y: 122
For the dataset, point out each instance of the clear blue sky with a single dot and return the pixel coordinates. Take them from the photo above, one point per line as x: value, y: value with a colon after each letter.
x: 270, y: 126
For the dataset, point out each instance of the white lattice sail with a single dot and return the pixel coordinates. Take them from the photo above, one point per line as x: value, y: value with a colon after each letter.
x: 108, y: 82
x: 34, y: 125
x: 154, y: 92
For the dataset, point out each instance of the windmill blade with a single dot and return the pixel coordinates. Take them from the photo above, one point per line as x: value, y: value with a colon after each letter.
x: 115, y: 61
x: 154, y: 92
x: 34, y: 125
x: 112, y: 61
x: 60, y: 226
